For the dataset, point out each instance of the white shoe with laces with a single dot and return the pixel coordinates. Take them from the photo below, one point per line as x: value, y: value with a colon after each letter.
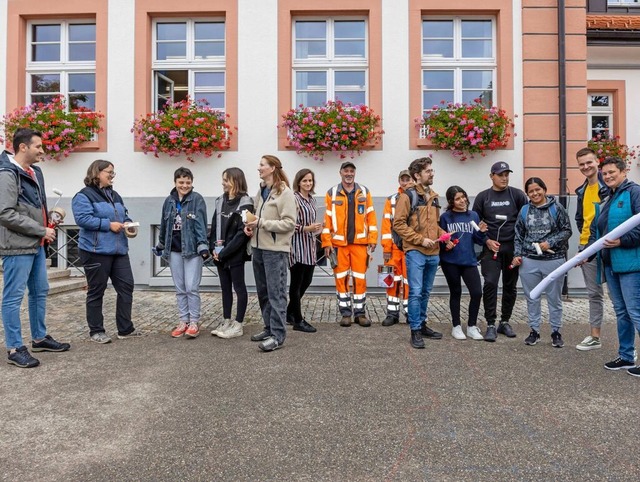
x: 234, y: 330
x: 474, y: 333
x: 222, y: 327
x: 457, y: 333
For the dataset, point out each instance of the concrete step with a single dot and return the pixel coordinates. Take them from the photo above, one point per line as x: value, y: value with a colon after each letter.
x: 66, y: 284
x: 57, y: 273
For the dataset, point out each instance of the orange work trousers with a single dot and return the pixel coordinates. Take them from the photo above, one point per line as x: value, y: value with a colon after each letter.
x: 352, y: 261
x: 399, y: 292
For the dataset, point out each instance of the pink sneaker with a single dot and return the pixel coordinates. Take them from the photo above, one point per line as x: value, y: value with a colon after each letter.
x: 192, y: 331
x: 179, y: 330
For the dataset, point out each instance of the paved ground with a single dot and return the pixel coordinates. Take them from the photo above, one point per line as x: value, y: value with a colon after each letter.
x: 341, y: 404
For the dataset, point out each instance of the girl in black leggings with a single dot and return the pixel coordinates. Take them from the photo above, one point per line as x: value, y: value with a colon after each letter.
x: 458, y: 259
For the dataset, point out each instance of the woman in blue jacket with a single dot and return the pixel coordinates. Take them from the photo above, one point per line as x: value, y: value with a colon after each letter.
x: 101, y: 215
x: 458, y: 259
x: 620, y: 258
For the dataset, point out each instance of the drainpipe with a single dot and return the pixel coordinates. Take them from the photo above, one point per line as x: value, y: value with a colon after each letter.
x: 562, y: 102
x: 562, y: 118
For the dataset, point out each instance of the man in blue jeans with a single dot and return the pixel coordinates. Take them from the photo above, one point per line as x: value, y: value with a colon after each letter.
x: 416, y: 222
x: 24, y: 232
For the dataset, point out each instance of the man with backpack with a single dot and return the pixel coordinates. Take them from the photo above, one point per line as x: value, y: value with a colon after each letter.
x: 499, y: 206
x: 393, y: 255
x: 416, y: 222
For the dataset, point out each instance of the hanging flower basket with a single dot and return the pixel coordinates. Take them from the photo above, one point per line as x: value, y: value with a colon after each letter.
x: 62, y: 131
x: 612, y: 147
x: 466, y: 129
x: 183, y: 128
x: 343, y: 128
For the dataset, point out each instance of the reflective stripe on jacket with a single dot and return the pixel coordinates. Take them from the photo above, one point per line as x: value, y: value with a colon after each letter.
x: 335, y: 228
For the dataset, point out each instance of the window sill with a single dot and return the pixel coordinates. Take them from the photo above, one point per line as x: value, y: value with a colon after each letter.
x: 368, y: 146
x: 89, y: 146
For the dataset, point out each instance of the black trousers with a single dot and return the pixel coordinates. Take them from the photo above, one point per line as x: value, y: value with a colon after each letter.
x: 301, y: 277
x: 491, y: 271
x: 233, y: 276
x: 455, y: 274
x: 99, y: 268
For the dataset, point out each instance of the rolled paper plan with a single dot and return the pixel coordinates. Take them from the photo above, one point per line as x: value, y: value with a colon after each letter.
x: 474, y: 225
x: 57, y: 192
x: 248, y: 216
x: 585, y: 254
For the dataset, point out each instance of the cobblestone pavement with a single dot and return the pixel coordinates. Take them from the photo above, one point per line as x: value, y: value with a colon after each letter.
x: 156, y: 312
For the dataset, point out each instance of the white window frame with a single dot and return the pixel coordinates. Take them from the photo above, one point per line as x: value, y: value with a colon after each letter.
x: 190, y: 63
x: 457, y: 63
x: 64, y: 66
x: 330, y: 64
x: 601, y: 112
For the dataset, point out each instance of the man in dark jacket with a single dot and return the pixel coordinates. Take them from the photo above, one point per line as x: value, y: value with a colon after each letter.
x: 590, y: 193
x: 24, y: 232
x: 499, y: 206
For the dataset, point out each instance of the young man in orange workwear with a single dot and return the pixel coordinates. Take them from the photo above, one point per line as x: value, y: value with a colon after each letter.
x: 394, y: 256
x: 349, y: 237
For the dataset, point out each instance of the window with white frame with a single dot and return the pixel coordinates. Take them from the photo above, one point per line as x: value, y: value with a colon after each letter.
x: 189, y: 61
x: 458, y: 60
x: 600, y: 114
x: 330, y: 61
x: 61, y: 60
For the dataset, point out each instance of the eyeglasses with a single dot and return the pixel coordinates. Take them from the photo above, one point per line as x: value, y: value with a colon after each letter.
x: 110, y: 173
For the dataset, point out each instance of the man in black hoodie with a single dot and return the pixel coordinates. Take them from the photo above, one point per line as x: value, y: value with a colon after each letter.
x: 499, y: 206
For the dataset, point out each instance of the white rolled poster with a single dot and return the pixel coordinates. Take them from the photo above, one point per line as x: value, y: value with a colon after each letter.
x: 585, y: 254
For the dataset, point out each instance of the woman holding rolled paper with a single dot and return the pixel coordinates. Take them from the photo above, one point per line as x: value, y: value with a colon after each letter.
x: 228, y: 246
x: 620, y: 258
x: 458, y: 259
x: 542, y: 232
x: 105, y: 226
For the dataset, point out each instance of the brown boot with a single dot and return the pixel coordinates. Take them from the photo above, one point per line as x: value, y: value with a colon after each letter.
x: 362, y: 320
x: 345, y: 321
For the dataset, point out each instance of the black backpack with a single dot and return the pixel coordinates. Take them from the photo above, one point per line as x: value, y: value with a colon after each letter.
x: 416, y: 201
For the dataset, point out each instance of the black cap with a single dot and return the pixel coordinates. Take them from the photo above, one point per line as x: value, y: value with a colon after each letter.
x: 500, y: 167
x: 347, y: 164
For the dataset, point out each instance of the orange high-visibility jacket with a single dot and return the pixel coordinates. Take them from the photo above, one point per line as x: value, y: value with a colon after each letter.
x: 388, y: 214
x: 334, y: 232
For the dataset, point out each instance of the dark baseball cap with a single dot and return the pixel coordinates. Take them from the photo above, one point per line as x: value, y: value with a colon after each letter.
x: 347, y: 164
x: 500, y: 167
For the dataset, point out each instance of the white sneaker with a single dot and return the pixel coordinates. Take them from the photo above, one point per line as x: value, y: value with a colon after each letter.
x: 457, y: 333
x: 233, y: 330
x: 221, y: 327
x: 474, y: 333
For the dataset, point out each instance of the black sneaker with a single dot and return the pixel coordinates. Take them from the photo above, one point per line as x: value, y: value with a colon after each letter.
x: 304, y: 326
x: 263, y: 335
x: 22, y: 358
x: 429, y: 333
x: 533, y: 338
x: 490, y: 335
x: 556, y: 339
x: 504, y: 328
x: 619, y: 364
x: 49, y: 344
x: 270, y: 344
x: 389, y: 321
x: 634, y: 371
x: 416, y: 339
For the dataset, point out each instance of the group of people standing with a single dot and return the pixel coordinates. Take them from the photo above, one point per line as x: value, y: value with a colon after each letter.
x: 523, y: 235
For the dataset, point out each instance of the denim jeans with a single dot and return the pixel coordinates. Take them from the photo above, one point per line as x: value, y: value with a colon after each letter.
x: 421, y: 271
x: 624, y: 291
x: 270, y: 272
x: 20, y: 272
x: 187, y: 274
